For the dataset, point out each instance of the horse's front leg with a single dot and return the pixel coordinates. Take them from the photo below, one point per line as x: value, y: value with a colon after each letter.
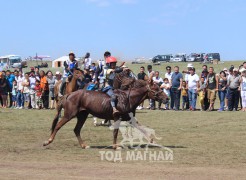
x: 115, y: 134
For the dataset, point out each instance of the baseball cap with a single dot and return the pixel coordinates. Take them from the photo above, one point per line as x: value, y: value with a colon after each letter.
x: 58, y: 73
x: 190, y: 65
x: 242, y: 69
x: 235, y: 69
x: 225, y: 69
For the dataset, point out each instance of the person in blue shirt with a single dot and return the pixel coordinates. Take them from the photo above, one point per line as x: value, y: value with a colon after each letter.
x: 176, y: 86
x: 10, y: 78
x: 69, y: 67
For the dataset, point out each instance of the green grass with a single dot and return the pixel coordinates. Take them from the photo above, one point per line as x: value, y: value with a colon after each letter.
x: 198, y: 139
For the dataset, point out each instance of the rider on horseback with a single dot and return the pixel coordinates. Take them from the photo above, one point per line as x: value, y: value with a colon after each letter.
x: 69, y: 65
x: 107, y: 73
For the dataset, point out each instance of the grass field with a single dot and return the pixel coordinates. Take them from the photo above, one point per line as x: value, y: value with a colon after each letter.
x: 206, y: 145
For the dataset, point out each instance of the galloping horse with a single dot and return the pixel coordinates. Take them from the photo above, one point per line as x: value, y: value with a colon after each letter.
x: 70, y: 86
x: 82, y: 103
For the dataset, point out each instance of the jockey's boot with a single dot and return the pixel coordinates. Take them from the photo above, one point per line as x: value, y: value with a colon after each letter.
x: 115, y: 112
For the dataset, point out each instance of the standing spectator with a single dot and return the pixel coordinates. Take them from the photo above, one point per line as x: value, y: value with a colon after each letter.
x: 87, y: 61
x: 51, y: 83
x: 20, y: 97
x: 38, y: 95
x: 176, y: 86
x: 26, y: 90
x: 226, y: 71
x: 32, y: 80
x: 244, y: 65
x: 202, y: 92
x: 193, y: 85
x: 184, y: 95
x: 14, y: 94
x: 142, y: 76
x: 212, y: 87
x: 169, y: 73
x: 234, y: 91
x: 10, y: 78
x: 243, y: 88
x: 37, y: 72
x: 45, y: 89
x: 150, y: 76
x: 166, y: 89
x: 230, y: 73
x: 3, y: 89
x: 222, y: 89
x: 157, y: 80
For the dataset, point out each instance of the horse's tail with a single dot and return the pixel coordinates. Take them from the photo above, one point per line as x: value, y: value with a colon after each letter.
x: 58, y: 113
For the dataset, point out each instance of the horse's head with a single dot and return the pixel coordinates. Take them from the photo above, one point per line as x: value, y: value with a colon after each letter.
x: 78, y: 74
x: 156, y: 93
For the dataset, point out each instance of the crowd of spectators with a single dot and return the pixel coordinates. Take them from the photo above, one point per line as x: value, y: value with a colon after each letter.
x: 35, y: 89
x: 32, y: 90
x: 187, y: 87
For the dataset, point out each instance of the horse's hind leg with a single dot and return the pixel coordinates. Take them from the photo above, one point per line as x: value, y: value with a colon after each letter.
x: 81, y: 117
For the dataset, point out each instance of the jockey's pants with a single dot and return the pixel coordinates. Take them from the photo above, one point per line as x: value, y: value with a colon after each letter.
x: 110, y: 92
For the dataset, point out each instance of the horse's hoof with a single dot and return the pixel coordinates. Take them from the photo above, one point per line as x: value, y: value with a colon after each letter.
x: 85, y: 147
x: 118, y: 148
x: 45, y: 143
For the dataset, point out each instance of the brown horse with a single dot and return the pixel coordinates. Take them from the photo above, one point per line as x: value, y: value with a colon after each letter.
x: 70, y: 86
x: 81, y: 103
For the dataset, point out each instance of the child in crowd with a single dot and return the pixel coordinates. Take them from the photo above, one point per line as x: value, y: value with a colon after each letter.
x: 201, y: 92
x: 14, y: 94
x: 38, y: 96
x: 166, y: 89
x: 26, y: 90
x: 184, y: 94
x: 243, y: 89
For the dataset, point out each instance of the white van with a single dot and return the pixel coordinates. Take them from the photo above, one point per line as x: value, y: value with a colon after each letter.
x: 12, y: 61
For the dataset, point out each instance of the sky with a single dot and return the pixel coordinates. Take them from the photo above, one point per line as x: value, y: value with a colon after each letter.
x: 126, y: 28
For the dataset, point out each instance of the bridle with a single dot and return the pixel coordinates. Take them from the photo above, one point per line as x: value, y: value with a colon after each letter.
x: 154, y: 93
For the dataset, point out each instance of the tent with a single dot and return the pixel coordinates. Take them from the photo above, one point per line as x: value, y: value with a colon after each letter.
x: 59, y: 62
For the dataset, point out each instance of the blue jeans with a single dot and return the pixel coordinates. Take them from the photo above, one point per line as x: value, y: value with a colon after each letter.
x: 20, y: 99
x: 192, y: 98
x: 222, y: 95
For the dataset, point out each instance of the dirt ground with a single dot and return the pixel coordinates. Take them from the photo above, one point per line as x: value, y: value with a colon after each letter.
x: 206, y: 145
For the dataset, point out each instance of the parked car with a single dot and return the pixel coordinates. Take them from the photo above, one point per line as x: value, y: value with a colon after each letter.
x: 212, y: 56
x: 139, y: 61
x: 161, y: 58
x: 13, y: 61
x: 178, y: 58
x: 195, y: 57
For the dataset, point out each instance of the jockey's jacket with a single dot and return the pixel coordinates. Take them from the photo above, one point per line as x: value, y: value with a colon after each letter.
x: 71, y: 65
x: 106, y: 75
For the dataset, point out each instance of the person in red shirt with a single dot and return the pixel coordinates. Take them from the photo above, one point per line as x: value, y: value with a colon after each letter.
x: 38, y: 92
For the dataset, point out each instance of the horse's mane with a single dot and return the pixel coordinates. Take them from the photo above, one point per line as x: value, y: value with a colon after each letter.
x: 139, y: 83
x: 123, y: 81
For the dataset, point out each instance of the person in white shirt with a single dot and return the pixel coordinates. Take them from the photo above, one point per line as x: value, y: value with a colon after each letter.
x: 193, y: 85
x: 166, y: 89
x: 157, y: 80
x: 32, y: 80
x: 20, y: 96
x: 26, y: 90
x: 169, y: 73
x: 87, y: 61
